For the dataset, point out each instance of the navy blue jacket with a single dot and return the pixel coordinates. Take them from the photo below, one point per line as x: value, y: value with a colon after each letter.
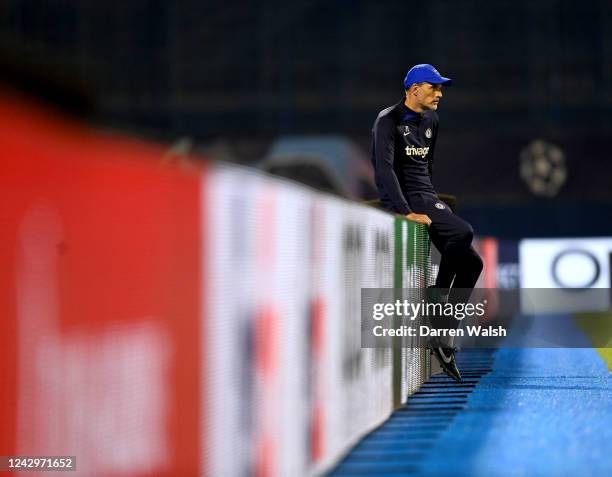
x: 403, y: 144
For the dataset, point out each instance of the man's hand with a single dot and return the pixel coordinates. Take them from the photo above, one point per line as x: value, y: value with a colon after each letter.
x: 419, y: 218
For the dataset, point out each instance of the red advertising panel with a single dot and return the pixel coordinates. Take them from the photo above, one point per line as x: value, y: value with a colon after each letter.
x: 99, y: 296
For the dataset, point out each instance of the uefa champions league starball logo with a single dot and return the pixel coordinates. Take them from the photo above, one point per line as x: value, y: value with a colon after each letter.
x: 542, y: 167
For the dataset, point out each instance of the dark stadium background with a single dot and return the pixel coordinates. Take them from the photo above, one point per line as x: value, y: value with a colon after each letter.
x: 230, y: 78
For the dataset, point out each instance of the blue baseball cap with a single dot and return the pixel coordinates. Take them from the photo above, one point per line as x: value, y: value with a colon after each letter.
x: 425, y: 73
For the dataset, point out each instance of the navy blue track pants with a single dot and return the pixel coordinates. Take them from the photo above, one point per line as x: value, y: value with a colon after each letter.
x: 452, y: 236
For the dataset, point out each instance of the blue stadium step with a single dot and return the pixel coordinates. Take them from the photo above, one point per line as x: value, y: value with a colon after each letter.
x: 545, y: 412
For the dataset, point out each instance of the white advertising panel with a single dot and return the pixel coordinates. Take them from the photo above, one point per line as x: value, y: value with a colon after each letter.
x: 287, y: 387
x: 575, y: 266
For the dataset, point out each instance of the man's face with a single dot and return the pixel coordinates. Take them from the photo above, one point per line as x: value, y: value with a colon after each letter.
x: 428, y: 95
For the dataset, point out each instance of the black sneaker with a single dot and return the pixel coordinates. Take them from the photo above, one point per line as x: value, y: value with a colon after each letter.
x: 446, y: 358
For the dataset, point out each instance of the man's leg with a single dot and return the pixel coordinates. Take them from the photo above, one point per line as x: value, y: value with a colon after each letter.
x: 460, y: 266
x: 468, y: 268
x: 452, y: 236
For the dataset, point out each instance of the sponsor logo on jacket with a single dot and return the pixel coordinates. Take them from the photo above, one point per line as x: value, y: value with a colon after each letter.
x: 416, y: 151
